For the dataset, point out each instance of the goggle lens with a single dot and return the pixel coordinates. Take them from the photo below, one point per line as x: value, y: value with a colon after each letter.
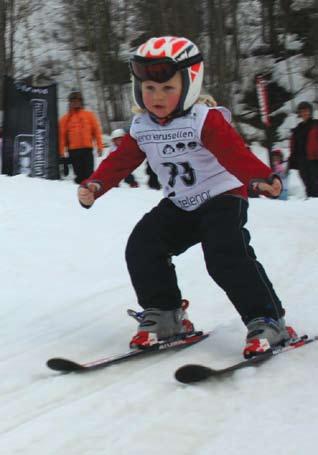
x: 157, y: 71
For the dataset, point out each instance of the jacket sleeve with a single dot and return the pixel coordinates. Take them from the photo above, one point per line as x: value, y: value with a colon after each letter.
x: 312, y: 142
x: 117, y: 165
x: 228, y: 147
x: 62, y: 135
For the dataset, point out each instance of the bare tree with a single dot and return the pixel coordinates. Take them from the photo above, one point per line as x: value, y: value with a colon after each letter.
x: 222, y: 46
x: 7, y: 29
x: 315, y: 53
x: 74, y: 47
x: 3, y: 60
x: 11, y: 9
x: 269, y: 24
x: 235, y: 38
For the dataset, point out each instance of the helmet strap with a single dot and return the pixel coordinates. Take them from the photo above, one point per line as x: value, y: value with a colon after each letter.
x: 179, y: 110
x: 137, y: 93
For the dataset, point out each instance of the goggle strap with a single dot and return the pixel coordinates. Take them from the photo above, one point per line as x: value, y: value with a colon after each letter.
x: 190, y: 61
x: 180, y: 64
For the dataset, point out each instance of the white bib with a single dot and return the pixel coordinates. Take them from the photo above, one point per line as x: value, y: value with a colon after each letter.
x: 188, y: 172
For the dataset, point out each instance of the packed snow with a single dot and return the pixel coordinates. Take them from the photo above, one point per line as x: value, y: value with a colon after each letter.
x: 65, y: 290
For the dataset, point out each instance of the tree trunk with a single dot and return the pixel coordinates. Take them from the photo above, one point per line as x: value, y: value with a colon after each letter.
x: 3, y: 61
x: 235, y: 39
x: 99, y: 57
x: 74, y: 48
x: 11, y: 38
x: 269, y: 25
x: 286, y: 10
x: 315, y: 56
x: 30, y: 49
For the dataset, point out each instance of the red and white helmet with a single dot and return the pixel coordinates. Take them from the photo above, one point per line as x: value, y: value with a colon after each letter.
x: 160, y: 58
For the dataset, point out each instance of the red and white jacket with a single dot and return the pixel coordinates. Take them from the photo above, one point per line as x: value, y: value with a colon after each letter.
x: 196, y: 157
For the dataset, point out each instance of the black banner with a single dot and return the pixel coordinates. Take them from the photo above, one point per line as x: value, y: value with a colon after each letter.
x: 30, y: 130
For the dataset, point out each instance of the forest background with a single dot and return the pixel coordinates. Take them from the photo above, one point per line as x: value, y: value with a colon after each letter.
x: 85, y: 45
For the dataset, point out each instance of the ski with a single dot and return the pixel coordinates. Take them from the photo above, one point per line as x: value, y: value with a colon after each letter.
x: 195, y: 373
x: 69, y: 366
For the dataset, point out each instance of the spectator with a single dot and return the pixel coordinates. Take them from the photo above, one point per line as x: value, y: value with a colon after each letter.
x: 116, y: 138
x: 79, y: 131
x: 1, y: 136
x: 304, y: 148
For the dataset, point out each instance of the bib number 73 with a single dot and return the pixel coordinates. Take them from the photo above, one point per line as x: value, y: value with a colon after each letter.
x: 182, y: 170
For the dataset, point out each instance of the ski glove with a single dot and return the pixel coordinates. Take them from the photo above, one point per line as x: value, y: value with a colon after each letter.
x: 271, y: 187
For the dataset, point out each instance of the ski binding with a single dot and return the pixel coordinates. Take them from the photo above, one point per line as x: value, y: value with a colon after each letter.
x: 69, y: 366
x: 195, y: 373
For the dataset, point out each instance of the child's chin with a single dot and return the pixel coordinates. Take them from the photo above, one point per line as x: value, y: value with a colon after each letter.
x: 160, y: 115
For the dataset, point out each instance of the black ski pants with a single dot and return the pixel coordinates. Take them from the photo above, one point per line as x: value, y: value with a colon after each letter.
x: 230, y: 260
x: 308, y: 170
x: 83, y: 163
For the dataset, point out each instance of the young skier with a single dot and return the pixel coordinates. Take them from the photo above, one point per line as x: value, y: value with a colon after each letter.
x: 279, y: 167
x: 116, y: 138
x: 204, y: 168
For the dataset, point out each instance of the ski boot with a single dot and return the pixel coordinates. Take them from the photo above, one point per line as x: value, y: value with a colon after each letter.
x: 266, y: 333
x: 156, y: 324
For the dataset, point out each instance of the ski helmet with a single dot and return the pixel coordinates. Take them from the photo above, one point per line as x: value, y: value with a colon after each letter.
x: 158, y: 59
x: 117, y: 133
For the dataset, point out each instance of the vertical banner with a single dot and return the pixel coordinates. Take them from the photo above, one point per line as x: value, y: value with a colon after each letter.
x: 30, y: 130
x: 262, y: 95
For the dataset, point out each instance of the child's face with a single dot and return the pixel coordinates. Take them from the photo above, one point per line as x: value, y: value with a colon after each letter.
x: 75, y: 104
x: 161, y: 99
x: 117, y: 141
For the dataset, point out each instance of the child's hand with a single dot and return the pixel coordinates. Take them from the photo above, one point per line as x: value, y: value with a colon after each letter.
x: 86, y: 194
x: 268, y: 189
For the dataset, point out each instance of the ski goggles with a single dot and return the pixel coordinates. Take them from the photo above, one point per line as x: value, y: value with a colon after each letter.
x: 159, y: 69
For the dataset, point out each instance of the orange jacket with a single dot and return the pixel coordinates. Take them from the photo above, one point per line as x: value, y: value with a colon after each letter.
x: 79, y: 129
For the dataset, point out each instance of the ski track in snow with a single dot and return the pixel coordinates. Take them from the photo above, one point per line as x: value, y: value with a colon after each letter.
x: 65, y: 292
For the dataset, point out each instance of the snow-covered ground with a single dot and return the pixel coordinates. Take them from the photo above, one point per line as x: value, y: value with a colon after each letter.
x: 65, y: 291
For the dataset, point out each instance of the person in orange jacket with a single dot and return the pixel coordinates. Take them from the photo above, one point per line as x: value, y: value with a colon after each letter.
x: 79, y: 132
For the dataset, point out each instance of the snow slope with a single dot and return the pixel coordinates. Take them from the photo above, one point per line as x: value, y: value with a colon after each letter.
x: 64, y: 292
